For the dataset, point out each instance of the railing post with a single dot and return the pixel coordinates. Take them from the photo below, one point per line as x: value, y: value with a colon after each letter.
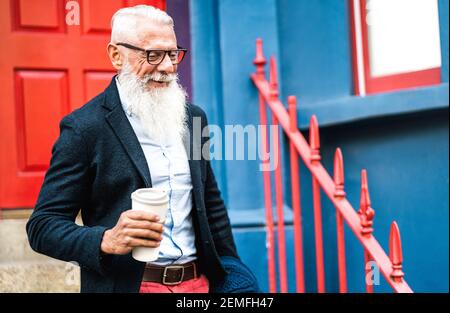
x: 339, y: 194
x: 395, y: 253
x: 259, y: 62
x: 278, y: 183
x: 296, y: 201
x: 273, y: 79
x: 314, y: 143
x: 366, y: 215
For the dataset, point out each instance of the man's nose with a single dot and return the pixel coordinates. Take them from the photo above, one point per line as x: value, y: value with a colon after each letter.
x: 166, y: 65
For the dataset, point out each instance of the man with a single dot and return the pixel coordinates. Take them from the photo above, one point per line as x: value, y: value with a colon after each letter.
x: 138, y: 133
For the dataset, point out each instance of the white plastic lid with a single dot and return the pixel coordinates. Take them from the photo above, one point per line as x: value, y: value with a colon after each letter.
x: 150, y: 196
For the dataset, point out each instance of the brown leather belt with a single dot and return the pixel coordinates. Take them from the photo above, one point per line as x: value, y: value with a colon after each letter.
x: 171, y: 274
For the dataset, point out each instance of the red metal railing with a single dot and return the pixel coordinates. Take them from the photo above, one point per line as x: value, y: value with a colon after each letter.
x: 361, y: 222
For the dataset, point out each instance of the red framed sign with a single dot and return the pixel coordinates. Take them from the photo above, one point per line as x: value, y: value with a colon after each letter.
x: 395, y: 44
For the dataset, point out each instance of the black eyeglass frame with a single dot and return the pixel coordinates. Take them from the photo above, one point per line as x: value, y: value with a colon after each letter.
x: 127, y: 45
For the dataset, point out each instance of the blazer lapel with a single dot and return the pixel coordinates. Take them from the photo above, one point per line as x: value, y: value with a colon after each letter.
x: 193, y: 149
x: 124, y: 132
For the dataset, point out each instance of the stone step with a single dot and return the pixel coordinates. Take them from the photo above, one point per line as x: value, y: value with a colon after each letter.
x: 14, y: 244
x: 44, y: 276
x: 23, y: 270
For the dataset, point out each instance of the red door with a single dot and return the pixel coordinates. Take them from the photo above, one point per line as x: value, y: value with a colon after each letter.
x: 47, y: 69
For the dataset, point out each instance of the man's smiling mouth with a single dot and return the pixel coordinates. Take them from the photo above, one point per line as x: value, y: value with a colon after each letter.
x: 158, y: 81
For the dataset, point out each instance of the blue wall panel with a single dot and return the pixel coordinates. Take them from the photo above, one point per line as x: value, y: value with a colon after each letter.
x: 238, y: 32
x: 223, y: 39
x: 314, y: 42
x: 206, y: 70
x: 251, y: 248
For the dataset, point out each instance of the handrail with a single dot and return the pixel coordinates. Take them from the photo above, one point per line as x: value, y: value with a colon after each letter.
x: 361, y: 222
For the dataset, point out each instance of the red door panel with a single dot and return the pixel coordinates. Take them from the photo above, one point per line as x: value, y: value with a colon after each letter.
x: 47, y: 69
x: 31, y: 15
x: 97, y: 15
x: 34, y: 110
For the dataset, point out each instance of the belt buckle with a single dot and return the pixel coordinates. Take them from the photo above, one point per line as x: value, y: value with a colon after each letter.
x: 171, y: 267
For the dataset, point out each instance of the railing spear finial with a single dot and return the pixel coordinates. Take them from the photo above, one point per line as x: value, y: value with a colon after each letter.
x: 339, y: 174
x: 314, y: 140
x: 273, y: 79
x: 395, y: 253
x: 366, y: 213
x: 259, y: 60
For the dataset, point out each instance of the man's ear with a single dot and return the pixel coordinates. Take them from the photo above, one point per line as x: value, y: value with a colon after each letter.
x: 115, y: 56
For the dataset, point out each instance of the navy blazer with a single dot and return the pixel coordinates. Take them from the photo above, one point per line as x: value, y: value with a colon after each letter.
x: 97, y: 162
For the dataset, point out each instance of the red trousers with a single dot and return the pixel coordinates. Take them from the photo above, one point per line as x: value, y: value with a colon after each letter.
x: 196, y: 285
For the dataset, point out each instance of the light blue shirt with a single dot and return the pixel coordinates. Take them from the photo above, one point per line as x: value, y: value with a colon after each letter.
x: 169, y: 170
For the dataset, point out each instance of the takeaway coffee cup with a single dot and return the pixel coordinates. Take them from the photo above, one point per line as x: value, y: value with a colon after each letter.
x: 151, y: 200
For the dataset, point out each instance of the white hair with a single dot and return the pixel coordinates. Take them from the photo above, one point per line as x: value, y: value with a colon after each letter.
x: 125, y: 21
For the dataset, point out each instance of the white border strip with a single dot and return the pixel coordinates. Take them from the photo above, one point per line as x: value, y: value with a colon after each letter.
x: 359, y: 48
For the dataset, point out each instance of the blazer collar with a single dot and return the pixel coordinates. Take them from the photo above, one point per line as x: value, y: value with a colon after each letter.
x: 112, y: 99
x: 193, y: 150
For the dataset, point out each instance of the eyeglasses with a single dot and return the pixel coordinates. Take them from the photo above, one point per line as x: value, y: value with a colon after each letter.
x: 155, y: 57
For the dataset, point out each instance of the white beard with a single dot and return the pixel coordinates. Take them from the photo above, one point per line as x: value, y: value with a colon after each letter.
x: 161, y: 111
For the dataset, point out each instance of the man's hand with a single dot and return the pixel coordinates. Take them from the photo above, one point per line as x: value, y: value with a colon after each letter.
x: 134, y: 229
